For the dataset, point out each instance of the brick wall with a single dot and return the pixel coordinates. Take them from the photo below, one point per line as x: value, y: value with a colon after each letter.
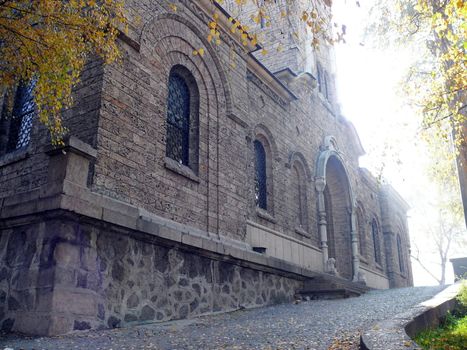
x: 121, y: 110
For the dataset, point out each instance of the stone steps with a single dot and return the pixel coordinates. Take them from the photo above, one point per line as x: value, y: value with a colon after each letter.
x: 326, y: 286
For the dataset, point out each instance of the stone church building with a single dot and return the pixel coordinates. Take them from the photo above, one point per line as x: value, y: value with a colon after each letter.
x: 189, y: 183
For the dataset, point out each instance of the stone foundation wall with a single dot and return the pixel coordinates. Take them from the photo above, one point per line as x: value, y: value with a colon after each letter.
x: 63, y: 274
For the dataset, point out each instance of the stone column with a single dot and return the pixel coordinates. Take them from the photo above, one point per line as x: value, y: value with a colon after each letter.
x: 320, y: 185
x: 354, y: 241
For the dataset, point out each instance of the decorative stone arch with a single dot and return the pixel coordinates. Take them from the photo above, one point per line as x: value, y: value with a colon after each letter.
x: 262, y: 131
x: 167, y: 41
x: 299, y: 157
x: 330, y: 155
x: 162, y: 26
x: 300, y: 177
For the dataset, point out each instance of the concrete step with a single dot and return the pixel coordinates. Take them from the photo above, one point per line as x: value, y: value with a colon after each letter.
x: 326, y: 294
x: 325, y: 286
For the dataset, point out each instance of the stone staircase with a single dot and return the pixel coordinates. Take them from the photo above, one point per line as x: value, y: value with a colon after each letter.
x: 325, y: 286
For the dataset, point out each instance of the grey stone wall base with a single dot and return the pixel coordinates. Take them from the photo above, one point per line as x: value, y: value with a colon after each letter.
x: 60, y: 272
x: 396, y: 333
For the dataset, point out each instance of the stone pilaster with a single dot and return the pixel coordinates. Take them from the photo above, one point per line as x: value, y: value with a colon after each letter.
x: 354, y: 241
x: 320, y: 186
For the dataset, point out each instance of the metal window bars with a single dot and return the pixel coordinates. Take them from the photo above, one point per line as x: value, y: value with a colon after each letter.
x: 178, y: 120
x: 260, y: 176
x: 24, y: 110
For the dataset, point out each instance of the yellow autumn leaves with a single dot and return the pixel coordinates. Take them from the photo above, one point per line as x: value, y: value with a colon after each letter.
x: 442, y: 92
x: 318, y: 23
x: 49, y: 42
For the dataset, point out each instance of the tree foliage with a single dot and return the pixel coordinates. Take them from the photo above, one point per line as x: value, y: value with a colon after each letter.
x: 48, y: 42
x: 444, y: 223
x: 254, y: 19
x: 437, y: 80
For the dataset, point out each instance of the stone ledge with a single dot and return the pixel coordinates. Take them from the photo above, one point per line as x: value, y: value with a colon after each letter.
x: 74, y: 144
x: 264, y: 214
x: 302, y: 232
x: 13, y: 157
x: 181, y: 169
x: 396, y: 333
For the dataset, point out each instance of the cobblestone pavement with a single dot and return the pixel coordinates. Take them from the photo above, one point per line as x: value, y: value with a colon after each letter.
x: 306, y: 325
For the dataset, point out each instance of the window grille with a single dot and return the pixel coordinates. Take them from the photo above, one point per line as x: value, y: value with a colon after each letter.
x: 21, y: 121
x: 374, y: 230
x: 260, y: 176
x: 399, y: 253
x: 300, y: 203
x: 178, y: 120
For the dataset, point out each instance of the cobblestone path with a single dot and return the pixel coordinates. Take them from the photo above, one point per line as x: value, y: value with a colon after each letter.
x: 306, y: 325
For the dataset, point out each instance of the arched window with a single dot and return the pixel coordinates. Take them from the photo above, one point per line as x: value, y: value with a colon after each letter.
x: 326, y: 85
x: 399, y: 253
x: 376, y: 246
x: 299, y: 196
x: 182, y: 118
x: 261, y: 188
x: 319, y: 72
x: 19, y: 119
x: 361, y: 232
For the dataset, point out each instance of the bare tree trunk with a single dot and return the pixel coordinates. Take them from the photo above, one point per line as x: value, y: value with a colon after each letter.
x: 442, y: 281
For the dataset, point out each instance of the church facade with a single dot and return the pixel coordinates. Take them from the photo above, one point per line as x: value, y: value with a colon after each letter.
x: 189, y: 184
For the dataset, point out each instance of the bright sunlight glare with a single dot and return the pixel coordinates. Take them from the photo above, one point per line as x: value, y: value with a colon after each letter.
x: 368, y: 85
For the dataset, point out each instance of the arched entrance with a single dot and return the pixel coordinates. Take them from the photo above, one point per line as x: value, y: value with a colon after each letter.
x: 336, y: 209
x: 337, y: 205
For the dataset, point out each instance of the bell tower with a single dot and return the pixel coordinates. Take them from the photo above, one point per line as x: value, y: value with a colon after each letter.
x: 282, y: 30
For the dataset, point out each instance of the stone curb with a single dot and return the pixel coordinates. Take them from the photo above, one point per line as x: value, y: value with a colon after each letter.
x: 396, y: 333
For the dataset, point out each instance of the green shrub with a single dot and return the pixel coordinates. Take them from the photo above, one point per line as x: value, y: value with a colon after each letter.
x: 462, y: 296
x: 451, y: 335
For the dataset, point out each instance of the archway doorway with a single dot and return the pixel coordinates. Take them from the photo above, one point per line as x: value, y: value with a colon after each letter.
x: 338, y: 217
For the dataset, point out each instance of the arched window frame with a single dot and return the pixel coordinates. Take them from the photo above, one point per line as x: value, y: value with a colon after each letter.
x: 376, y: 241
x: 261, y: 176
x: 302, y: 201
x: 264, y: 138
x: 182, y: 133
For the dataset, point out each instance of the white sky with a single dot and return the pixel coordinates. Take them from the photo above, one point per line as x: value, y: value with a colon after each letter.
x: 367, y: 83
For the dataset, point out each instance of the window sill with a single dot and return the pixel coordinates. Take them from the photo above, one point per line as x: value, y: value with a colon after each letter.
x: 378, y: 267
x: 13, y: 157
x: 302, y: 232
x: 181, y: 169
x: 263, y: 214
x: 363, y: 260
